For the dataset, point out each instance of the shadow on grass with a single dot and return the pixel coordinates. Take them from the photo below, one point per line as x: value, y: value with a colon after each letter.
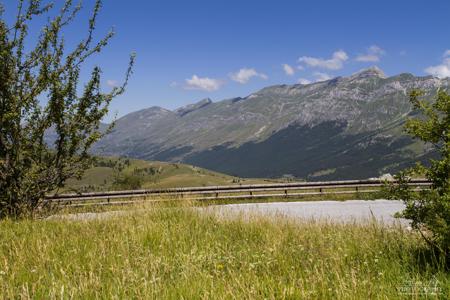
x: 430, y: 259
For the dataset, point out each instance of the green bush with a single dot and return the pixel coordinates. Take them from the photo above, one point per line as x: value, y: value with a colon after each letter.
x: 128, y: 182
x: 429, y: 210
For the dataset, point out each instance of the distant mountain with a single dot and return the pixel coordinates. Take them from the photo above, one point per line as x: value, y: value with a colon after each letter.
x: 346, y: 127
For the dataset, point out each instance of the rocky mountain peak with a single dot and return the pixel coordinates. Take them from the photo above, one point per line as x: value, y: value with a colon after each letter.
x: 367, y: 73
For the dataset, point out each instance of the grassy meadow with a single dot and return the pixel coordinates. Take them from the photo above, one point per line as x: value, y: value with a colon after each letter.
x: 178, y: 252
x: 105, y: 172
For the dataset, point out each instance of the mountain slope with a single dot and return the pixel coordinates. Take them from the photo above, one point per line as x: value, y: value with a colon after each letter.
x: 347, y: 127
x: 105, y: 172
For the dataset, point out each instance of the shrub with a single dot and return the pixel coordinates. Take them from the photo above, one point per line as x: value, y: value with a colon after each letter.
x: 429, y: 210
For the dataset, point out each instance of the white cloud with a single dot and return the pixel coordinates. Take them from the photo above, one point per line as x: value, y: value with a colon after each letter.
x: 442, y: 70
x: 336, y: 62
x: 203, y: 83
x: 112, y: 83
x: 288, y: 69
x: 245, y: 74
x: 321, y: 76
x: 304, y: 81
x: 373, y: 54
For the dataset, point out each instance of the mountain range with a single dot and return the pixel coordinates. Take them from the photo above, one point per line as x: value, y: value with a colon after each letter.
x: 343, y: 128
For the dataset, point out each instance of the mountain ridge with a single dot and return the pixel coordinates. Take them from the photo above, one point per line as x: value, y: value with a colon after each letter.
x: 364, y: 111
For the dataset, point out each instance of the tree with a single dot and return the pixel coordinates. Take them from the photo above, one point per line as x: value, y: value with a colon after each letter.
x: 39, y: 92
x: 429, y: 210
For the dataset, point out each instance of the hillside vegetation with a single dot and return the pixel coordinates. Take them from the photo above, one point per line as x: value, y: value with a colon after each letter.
x: 181, y: 253
x: 110, y: 173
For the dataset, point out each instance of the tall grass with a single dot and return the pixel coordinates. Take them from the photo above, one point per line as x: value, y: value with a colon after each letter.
x: 178, y: 253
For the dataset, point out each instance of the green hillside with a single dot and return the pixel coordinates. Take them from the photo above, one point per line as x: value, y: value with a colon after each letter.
x: 110, y: 173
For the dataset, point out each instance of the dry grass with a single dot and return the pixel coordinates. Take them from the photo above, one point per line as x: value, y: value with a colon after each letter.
x: 181, y: 253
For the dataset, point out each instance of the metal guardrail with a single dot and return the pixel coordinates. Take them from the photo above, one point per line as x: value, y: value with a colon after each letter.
x: 229, y: 192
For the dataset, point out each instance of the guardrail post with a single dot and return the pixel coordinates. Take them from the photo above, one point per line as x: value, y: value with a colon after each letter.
x: 251, y: 193
x: 285, y: 193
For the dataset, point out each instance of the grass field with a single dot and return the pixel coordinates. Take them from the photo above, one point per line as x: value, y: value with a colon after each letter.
x: 150, y: 174
x: 177, y: 252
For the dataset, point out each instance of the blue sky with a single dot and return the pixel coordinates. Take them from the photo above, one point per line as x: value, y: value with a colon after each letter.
x: 189, y: 50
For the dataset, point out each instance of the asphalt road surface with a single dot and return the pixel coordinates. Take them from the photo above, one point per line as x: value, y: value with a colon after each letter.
x: 359, y: 211
x: 334, y: 211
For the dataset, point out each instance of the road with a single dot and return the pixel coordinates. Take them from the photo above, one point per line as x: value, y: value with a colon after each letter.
x: 360, y: 211
x: 335, y: 211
